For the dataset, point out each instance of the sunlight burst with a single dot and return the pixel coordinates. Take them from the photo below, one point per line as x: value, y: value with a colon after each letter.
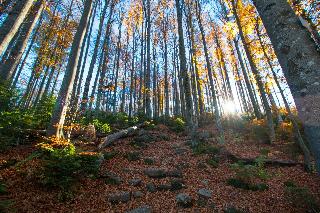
x: 229, y: 107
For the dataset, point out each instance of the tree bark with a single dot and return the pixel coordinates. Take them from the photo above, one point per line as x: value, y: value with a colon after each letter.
x: 300, y: 62
x: 210, y: 75
x: 59, y: 114
x: 183, y: 68
x: 8, y: 68
x: 256, y: 75
x: 85, y: 95
x: 12, y: 23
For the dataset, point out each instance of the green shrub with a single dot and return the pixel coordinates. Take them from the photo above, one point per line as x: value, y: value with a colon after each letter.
x: 248, y: 172
x: 238, y: 183
x: 204, y: 148
x: 3, y: 188
x: 133, y: 156
x: 35, y: 118
x: 8, y: 97
x: 62, y: 165
x: 289, y: 184
x: 245, y: 175
x: 90, y: 162
x: 213, y: 162
x: 101, y: 127
x: 178, y: 125
x: 264, y: 151
x: 300, y: 197
x: 6, y: 205
x: 43, y: 112
x: 109, y: 155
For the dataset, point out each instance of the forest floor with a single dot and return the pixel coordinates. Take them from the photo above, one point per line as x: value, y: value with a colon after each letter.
x: 167, y: 152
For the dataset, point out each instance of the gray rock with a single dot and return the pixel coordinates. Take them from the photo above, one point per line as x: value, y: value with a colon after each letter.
x: 180, y: 151
x: 177, y: 184
x: 142, y: 209
x: 174, y: 173
x: 135, y: 182
x: 205, y: 193
x: 205, y: 182
x: 204, y: 135
x: 151, y: 187
x: 184, y: 200
x: 137, y: 194
x: 163, y: 187
x: 155, y: 173
x: 112, y: 178
x: 119, y: 197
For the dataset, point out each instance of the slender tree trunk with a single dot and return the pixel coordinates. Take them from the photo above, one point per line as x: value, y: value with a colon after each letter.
x: 82, y: 60
x: 59, y: 113
x: 183, y: 68
x: 8, y: 68
x: 210, y: 75
x: 20, y: 68
x: 148, y: 69
x: 166, y: 80
x: 257, y: 76
x: 78, y: 89
x: 117, y: 70
x: 132, y: 75
x: 106, y: 47
x: 12, y: 23
x: 93, y: 61
x: 300, y: 63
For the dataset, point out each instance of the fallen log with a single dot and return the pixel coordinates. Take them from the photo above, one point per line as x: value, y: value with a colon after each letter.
x: 110, y: 139
x: 267, y: 162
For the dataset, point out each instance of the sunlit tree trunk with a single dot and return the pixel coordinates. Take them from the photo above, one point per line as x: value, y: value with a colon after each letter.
x: 106, y: 47
x: 256, y: 75
x: 132, y: 75
x: 59, y: 114
x: 85, y: 95
x: 8, y: 68
x: 117, y: 70
x: 12, y: 23
x: 183, y: 68
x: 300, y: 63
x: 210, y: 75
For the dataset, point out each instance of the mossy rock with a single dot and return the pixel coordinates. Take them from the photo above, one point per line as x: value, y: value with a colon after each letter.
x: 149, y: 161
x: 133, y: 156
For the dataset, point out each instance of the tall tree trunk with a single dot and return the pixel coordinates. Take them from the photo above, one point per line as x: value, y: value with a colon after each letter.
x: 132, y: 75
x: 27, y: 52
x: 106, y: 47
x: 183, y: 68
x: 93, y: 60
x: 300, y: 63
x: 77, y: 90
x: 256, y: 75
x: 210, y: 75
x: 12, y: 23
x: 166, y: 80
x: 8, y: 68
x: 148, y: 69
x: 117, y: 69
x: 59, y: 114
